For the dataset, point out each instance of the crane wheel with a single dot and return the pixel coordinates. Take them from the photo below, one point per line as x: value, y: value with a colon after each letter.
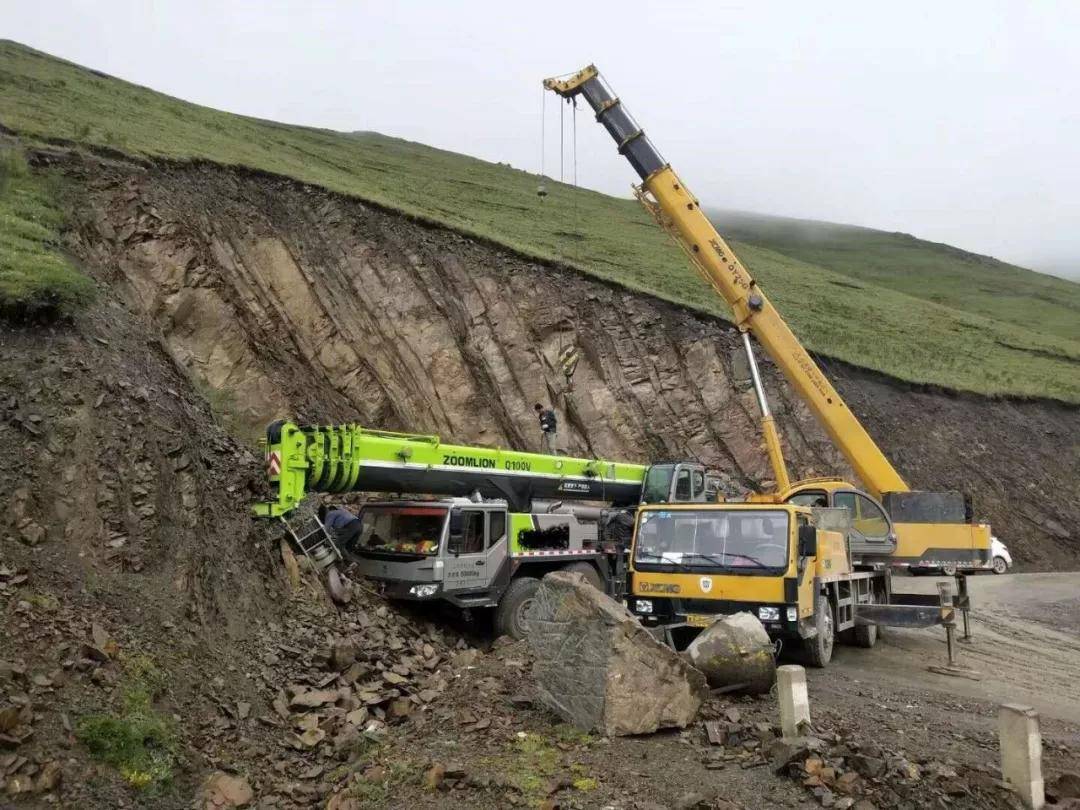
x: 819, y: 649
x: 511, y: 614
x: 588, y: 571
x: 865, y: 635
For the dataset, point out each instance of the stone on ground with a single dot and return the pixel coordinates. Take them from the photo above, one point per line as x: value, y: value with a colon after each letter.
x: 223, y: 790
x: 600, y: 670
x: 733, y: 651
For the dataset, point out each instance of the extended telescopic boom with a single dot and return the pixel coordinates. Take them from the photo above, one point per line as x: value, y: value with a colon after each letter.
x: 679, y: 212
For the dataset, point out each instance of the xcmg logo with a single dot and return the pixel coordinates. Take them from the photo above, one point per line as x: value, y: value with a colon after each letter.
x: 658, y: 587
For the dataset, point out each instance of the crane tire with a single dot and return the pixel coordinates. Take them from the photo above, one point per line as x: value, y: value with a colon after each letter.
x: 819, y: 649
x: 510, y: 617
x: 587, y: 570
x: 865, y: 635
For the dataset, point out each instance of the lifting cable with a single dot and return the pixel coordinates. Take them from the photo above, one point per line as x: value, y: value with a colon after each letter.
x: 574, y: 101
x: 562, y: 129
x: 543, y: 127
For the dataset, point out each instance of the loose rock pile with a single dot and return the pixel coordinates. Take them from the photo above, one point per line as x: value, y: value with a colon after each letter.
x: 843, y: 771
x: 338, y: 682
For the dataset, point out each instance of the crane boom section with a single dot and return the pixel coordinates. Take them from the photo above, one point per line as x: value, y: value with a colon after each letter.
x: 351, y: 458
x: 679, y: 212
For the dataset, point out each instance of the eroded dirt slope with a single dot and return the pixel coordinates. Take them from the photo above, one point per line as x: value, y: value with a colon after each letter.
x: 300, y: 302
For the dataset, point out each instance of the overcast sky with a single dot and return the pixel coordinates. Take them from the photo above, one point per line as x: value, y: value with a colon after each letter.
x: 955, y: 121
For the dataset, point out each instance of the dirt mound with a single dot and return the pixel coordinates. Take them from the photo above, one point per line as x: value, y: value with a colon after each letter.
x: 150, y: 631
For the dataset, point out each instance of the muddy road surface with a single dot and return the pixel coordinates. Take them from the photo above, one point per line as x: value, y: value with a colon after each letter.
x: 1025, y: 648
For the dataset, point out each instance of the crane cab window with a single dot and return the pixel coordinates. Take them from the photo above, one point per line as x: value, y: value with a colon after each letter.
x: 496, y: 527
x: 466, y: 532
x: 657, y: 484
x: 812, y: 498
x: 682, y: 486
x: 698, y: 478
x: 867, y: 518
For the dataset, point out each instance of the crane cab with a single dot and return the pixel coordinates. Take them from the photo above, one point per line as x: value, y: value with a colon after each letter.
x: 680, y: 482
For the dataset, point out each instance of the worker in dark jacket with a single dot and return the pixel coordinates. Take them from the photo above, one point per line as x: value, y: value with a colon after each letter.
x: 342, y: 524
x: 548, y: 429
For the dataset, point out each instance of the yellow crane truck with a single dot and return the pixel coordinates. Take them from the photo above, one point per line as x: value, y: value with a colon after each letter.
x: 773, y: 555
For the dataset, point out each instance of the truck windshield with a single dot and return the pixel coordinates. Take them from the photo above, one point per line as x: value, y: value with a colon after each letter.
x: 401, y: 529
x: 700, y: 538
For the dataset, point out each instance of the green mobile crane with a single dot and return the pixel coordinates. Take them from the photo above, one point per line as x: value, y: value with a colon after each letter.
x: 503, y: 527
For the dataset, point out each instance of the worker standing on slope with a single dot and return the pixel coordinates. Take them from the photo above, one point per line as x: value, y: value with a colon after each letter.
x: 548, y: 427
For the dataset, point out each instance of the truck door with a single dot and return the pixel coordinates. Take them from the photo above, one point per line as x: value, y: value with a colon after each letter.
x: 476, y: 546
x: 871, y: 529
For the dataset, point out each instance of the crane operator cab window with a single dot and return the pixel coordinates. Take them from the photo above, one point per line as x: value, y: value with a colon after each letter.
x: 682, y: 485
x: 657, y: 483
x: 867, y: 518
x: 812, y: 498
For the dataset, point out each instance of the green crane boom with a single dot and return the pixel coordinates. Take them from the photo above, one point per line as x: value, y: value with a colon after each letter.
x: 351, y: 458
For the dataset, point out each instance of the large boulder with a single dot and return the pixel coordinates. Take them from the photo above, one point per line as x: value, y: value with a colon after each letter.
x: 600, y: 670
x: 735, y: 651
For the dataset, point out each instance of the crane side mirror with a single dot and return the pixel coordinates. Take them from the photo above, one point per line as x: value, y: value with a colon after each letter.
x: 808, y: 541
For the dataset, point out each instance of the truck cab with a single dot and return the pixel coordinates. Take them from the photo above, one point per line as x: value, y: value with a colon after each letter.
x: 679, y: 482
x: 920, y: 531
x: 477, y: 554
x: 453, y: 548
x: 788, y: 564
x: 871, y: 532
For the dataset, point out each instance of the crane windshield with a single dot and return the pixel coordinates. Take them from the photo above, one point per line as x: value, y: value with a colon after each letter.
x: 741, y: 540
x: 400, y: 529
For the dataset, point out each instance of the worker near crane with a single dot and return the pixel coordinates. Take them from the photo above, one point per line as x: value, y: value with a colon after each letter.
x: 342, y: 524
x: 548, y: 428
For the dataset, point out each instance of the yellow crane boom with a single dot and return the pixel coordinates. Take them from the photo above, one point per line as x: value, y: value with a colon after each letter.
x: 678, y: 211
x: 925, y: 530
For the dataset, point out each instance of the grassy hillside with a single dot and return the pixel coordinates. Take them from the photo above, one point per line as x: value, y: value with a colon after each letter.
x: 35, y: 279
x: 929, y: 270
x: 835, y: 313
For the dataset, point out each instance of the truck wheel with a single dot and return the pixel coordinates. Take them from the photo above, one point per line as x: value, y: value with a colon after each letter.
x: 999, y: 565
x: 510, y: 614
x: 588, y: 571
x: 819, y: 648
x: 865, y: 635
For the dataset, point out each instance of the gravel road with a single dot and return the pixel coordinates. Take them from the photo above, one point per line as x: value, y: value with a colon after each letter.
x: 1025, y: 646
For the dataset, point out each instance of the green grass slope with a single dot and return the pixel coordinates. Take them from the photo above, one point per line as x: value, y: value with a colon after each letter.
x: 836, y: 314
x: 929, y: 270
x: 35, y: 279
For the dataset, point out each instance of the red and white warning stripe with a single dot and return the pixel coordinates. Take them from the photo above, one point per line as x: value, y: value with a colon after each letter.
x: 273, y: 462
x: 561, y: 552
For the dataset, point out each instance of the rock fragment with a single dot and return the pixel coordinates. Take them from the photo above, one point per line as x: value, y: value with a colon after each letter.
x: 224, y: 790
x: 599, y: 669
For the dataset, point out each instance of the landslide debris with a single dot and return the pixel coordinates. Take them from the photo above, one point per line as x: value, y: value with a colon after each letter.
x: 151, y: 635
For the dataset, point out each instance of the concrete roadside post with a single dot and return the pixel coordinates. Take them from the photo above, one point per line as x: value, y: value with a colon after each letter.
x: 794, y: 700
x: 1021, y: 753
